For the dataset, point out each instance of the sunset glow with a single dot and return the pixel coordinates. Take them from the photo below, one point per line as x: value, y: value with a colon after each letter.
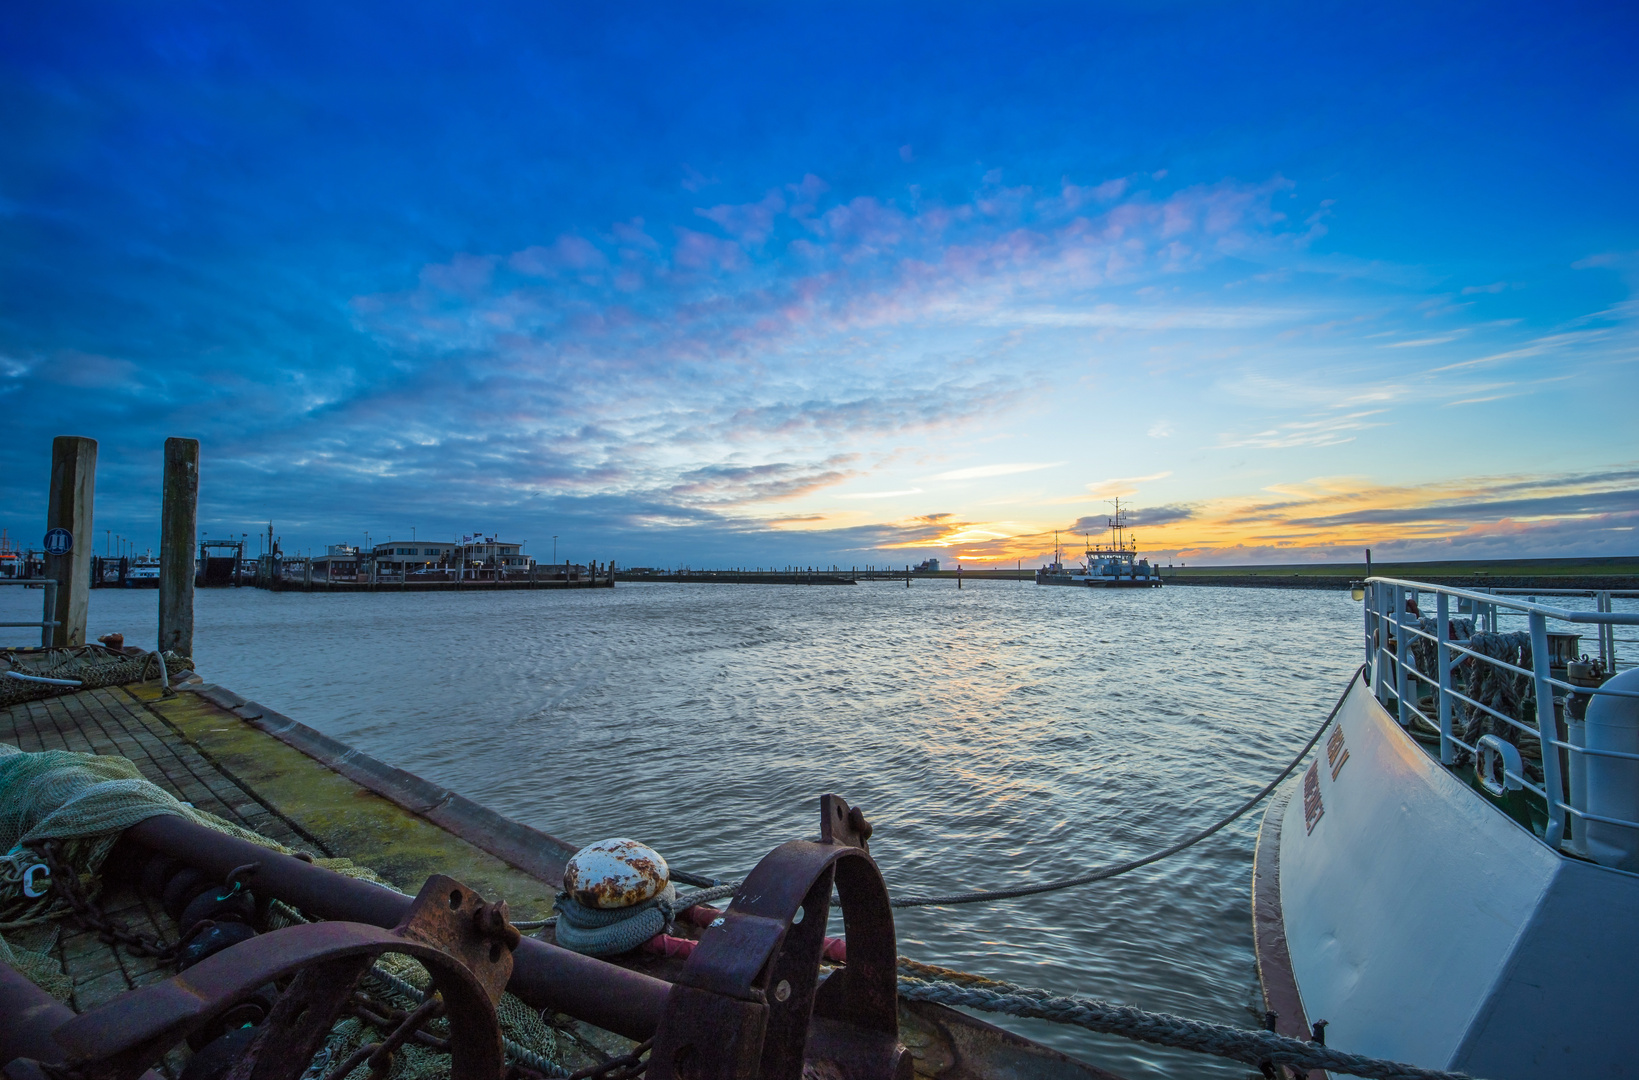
x: 845, y: 285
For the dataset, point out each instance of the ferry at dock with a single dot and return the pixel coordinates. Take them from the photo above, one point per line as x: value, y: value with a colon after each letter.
x: 1453, y: 880
x: 1114, y: 565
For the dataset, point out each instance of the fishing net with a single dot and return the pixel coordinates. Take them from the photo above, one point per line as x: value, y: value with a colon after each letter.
x: 93, y: 666
x: 399, y: 982
x: 83, y: 802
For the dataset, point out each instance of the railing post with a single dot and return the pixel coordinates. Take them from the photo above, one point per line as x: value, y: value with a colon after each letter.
x: 1547, y: 731
x: 1366, y: 613
x: 50, y: 612
x: 1607, y: 652
x: 1380, y: 663
x: 73, y: 487
x: 1442, y: 664
x: 1402, y: 645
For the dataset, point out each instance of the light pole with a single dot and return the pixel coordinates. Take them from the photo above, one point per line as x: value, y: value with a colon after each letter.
x: 554, y: 549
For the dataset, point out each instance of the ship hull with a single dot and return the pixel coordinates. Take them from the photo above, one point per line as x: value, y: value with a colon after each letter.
x: 1098, y: 583
x: 1394, y: 902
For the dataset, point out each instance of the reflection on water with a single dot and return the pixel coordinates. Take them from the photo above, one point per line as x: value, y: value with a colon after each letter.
x: 995, y: 735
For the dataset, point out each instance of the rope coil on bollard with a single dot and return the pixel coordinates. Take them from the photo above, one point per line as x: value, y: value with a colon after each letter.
x: 943, y: 986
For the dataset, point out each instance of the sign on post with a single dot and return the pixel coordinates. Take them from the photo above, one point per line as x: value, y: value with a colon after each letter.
x: 59, y: 542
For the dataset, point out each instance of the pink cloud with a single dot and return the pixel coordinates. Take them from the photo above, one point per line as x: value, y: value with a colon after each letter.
x: 632, y: 234
x: 698, y: 251
x: 568, y: 252
x: 464, y: 275
x: 749, y: 223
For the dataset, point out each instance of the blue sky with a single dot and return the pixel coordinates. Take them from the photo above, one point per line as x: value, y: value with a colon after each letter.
x: 766, y: 284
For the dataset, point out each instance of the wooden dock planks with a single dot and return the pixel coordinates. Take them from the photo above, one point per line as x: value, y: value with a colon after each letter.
x: 205, y: 755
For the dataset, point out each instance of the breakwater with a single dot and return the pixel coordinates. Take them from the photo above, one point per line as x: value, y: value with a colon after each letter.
x: 743, y: 577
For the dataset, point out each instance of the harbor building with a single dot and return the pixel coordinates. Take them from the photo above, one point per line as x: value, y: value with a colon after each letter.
x: 401, y: 557
x: 493, y: 554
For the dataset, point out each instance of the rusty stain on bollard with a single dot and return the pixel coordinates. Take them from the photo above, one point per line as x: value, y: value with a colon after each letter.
x: 615, y: 873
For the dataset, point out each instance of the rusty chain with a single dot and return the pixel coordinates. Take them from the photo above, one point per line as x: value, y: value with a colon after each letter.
x: 65, y: 883
x: 624, y: 1067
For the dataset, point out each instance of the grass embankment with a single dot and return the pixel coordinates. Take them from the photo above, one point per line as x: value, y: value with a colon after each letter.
x: 1604, y: 573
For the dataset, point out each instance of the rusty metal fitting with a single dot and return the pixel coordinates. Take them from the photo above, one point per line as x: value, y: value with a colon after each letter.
x: 492, y: 921
x: 749, y: 1002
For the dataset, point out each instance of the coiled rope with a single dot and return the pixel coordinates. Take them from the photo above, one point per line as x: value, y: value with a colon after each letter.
x: 925, y: 982
x: 612, y: 931
x: 1103, y: 872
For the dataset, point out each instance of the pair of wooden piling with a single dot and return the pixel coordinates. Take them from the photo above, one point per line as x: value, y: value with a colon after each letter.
x: 73, y: 490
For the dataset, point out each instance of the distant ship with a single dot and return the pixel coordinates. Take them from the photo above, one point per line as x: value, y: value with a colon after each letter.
x: 1114, y: 565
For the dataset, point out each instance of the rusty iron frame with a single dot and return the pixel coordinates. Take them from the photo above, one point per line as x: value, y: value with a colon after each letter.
x: 749, y: 1003
x: 625, y: 1002
x: 462, y: 941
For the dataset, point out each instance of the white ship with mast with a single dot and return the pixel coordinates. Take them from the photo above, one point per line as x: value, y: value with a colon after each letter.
x: 1114, y: 565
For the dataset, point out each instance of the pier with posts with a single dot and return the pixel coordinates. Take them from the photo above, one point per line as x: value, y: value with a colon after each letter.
x: 283, y: 574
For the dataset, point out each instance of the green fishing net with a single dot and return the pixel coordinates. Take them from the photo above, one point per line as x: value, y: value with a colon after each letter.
x: 85, y: 801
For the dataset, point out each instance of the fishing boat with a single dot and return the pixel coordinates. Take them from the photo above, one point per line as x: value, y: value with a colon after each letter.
x: 1453, y: 881
x: 1112, y: 565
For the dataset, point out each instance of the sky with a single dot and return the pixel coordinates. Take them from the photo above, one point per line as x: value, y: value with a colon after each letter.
x: 770, y: 284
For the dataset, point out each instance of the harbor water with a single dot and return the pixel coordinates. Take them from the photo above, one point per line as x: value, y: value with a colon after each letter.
x: 996, y: 735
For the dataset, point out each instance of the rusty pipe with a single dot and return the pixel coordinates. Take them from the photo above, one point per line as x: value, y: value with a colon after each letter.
x: 31, y: 1015
x: 544, y: 976
x: 28, y: 1017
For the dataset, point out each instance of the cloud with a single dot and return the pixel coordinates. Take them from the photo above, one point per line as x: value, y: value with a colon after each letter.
x: 1161, y: 429
x: 573, y: 253
x: 1123, y: 485
x: 1149, y: 517
x: 1327, y: 431
x: 1420, y: 342
x: 978, y: 472
x: 749, y: 223
x: 1494, y: 287
x: 880, y: 494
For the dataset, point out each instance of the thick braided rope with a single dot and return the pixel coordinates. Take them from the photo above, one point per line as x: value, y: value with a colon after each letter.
x: 924, y: 982
x: 611, y: 931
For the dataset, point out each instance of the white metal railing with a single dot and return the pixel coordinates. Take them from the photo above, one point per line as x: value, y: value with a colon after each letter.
x: 46, y: 623
x: 1394, y: 619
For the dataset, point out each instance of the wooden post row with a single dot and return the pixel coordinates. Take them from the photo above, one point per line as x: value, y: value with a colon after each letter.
x: 68, y: 534
x: 179, y: 521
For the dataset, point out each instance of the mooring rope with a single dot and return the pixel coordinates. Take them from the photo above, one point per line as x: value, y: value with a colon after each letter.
x: 925, y: 982
x: 1104, y: 872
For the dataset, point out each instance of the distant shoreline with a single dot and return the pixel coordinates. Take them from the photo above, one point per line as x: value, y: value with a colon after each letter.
x: 1594, y: 574
x: 1591, y: 574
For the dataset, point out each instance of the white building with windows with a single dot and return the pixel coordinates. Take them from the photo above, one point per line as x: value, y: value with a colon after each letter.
x: 494, y: 554
x: 401, y: 556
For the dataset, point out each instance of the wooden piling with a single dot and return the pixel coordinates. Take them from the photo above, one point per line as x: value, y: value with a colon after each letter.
x: 73, y: 487
x: 179, y: 526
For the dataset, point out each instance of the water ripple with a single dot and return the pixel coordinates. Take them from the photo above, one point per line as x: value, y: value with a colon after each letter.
x: 997, y: 735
